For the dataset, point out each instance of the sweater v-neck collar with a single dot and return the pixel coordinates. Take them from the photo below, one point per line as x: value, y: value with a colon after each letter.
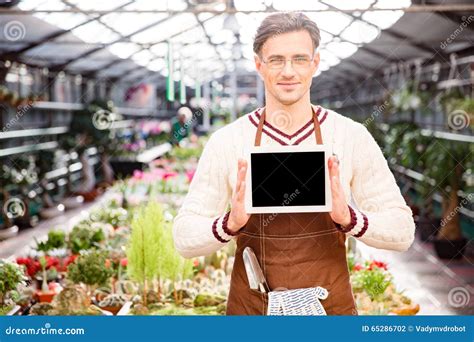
x: 288, y: 139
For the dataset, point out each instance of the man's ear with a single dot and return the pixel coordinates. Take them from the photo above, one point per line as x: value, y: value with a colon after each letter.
x: 258, y: 65
x: 315, y: 62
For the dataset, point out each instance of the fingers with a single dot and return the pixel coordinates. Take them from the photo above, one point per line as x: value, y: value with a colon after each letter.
x: 241, y: 173
x: 333, y: 165
x: 241, y: 193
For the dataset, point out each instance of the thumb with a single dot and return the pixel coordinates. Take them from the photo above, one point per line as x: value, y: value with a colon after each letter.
x: 333, y: 167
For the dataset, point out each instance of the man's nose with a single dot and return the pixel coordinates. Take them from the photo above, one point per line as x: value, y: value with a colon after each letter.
x: 288, y: 69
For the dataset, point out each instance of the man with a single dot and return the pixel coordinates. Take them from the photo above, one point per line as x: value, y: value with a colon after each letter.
x: 298, y: 250
x: 181, y: 127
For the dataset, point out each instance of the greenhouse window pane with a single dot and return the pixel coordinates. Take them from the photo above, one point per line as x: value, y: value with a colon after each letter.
x: 392, y: 4
x: 223, y: 37
x: 383, y: 19
x: 27, y: 5
x: 360, y: 32
x: 157, y: 64
x: 342, y: 49
x: 97, y: 5
x: 65, y: 21
x: 143, y: 57
x: 332, y: 22
x: 127, y: 23
x: 344, y: 4
x: 124, y: 50
x: 249, y: 5
x: 300, y: 5
x: 95, y: 32
x: 166, y: 29
x: 148, y: 5
x: 160, y: 49
x: 42, y: 5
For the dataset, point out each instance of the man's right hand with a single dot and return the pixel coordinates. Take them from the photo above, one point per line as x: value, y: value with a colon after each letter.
x: 238, y: 217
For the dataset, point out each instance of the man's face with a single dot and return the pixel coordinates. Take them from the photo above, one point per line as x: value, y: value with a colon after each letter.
x: 288, y: 84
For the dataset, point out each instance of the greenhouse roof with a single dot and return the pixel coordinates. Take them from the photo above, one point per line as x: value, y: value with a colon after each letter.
x: 128, y: 40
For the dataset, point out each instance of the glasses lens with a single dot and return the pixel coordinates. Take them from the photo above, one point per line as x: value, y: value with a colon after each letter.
x: 276, y: 63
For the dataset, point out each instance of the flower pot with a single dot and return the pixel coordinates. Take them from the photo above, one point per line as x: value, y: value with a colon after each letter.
x: 427, y: 228
x: 408, y: 310
x: 6, y: 233
x: 113, y: 309
x: 45, y: 297
x: 450, y: 249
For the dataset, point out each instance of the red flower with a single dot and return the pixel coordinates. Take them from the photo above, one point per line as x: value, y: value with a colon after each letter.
x: 196, y: 263
x: 124, y: 262
x: 358, y: 267
x: 69, y: 260
x: 379, y: 264
x: 32, y: 265
x: 107, y: 263
x: 190, y: 175
x: 169, y: 174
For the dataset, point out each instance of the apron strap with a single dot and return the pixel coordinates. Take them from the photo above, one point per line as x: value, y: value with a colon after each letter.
x: 317, y: 128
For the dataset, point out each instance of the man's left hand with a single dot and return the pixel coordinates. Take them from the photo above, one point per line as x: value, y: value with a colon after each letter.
x: 340, y: 211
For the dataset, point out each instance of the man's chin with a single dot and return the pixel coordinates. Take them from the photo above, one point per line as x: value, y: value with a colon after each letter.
x: 288, y: 99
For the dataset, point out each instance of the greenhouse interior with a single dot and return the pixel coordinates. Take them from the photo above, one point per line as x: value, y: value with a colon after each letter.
x: 106, y: 108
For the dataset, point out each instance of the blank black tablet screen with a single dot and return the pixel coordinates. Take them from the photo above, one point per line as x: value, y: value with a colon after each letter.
x: 288, y: 179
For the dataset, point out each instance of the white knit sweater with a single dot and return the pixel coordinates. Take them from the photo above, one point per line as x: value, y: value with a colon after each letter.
x: 382, y: 218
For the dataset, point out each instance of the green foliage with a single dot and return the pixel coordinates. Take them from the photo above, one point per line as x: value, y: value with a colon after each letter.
x: 151, y: 253
x: 185, y: 153
x: 90, y: 268
x: 11, y: 275
x: 393, y: 140
x: 175, y: 267
x: 146, y: 248
x: 373, y: 281
x: 56, y: 239
x: 408, y: 98
x: 116, y: 216
x: 84, y: 236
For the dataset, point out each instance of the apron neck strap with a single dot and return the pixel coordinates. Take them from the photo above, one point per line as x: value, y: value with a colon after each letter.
x: 317, y: 128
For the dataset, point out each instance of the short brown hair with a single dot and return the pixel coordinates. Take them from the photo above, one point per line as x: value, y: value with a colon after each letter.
x: 285, y: 22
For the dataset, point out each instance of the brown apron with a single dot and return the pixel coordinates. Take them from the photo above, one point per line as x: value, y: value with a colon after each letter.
x: 296, y: 250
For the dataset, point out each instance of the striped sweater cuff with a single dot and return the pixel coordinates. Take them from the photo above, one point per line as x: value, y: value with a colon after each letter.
x: 220, y: 230
x: 358, y: 226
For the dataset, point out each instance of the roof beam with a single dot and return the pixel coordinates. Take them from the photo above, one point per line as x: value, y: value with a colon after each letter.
x: 412, y: 9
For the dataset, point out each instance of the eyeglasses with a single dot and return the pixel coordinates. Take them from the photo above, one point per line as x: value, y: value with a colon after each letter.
x: 298, y: 62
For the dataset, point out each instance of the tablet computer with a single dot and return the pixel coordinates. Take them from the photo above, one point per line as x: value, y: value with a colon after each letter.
x: 287, y: 179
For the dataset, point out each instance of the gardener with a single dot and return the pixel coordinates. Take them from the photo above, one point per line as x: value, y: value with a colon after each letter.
x: 297, y: 250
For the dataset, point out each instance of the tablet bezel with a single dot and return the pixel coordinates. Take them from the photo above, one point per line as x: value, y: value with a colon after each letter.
x: 250, y: 209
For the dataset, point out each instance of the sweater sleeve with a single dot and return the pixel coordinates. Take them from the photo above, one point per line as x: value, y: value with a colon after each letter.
x: 198, y: 226
x: 382, y: 218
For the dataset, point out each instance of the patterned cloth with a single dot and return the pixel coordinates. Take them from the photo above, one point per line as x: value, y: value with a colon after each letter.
x: 299, y: 302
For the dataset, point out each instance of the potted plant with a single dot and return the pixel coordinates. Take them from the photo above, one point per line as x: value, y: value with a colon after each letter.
x: 412, y: 147
x: 445, y: 163
x: 113, y: 302
x: 56, y: 239
x: 44, y: 294
x: 11, y: 276
x: 145, y: 250
x: 91, y: 269
x: 85, y: 236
